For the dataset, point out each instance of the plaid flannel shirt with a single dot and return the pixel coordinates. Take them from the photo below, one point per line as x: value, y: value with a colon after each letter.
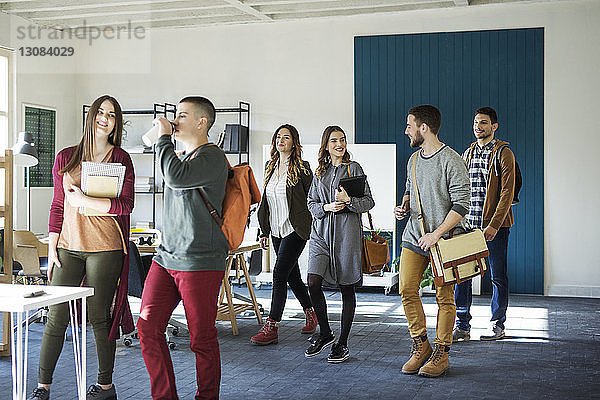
x: 478, y: 175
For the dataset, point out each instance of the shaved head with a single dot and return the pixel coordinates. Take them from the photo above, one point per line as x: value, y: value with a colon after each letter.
x: 203, y: 108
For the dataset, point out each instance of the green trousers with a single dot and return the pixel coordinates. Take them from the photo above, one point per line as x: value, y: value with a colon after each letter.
x: 102, y: 270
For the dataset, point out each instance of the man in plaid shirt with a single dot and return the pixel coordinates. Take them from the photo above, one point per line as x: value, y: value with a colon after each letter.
x: 491, y: 167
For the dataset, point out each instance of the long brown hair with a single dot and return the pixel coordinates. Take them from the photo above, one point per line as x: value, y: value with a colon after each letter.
x: 324, y: 156
x: 296, y: 164
x: 84, y: 150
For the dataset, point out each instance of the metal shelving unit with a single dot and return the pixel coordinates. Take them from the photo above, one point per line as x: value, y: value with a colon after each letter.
x: 243, y: 112
x: 157, y: 110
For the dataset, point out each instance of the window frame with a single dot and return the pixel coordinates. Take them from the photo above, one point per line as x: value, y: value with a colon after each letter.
x: 9, y: 113
x: 23, y: 122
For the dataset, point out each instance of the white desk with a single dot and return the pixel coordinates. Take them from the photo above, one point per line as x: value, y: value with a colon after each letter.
x: 12, y: 300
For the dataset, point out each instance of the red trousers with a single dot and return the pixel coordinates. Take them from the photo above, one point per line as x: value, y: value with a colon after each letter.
x: 199, y: 291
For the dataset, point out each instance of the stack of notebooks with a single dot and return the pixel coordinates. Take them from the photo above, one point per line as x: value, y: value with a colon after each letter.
x: 103, y: 180
x: 144, y: 183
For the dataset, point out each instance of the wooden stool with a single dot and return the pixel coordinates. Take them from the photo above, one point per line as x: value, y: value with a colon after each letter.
x: 227, y: 310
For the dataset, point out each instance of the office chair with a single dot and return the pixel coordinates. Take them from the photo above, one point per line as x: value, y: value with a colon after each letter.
x: 30, y: 259
x: 138, y: 270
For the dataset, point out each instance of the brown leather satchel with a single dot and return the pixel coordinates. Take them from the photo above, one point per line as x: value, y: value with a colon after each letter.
x: 375, y: 251
x: 458, y: 258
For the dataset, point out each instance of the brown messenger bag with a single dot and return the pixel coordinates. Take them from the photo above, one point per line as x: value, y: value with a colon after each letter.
x: 456, y: 259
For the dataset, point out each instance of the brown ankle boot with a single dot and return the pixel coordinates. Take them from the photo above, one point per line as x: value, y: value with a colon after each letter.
x: 419, y: 354
x: 267, y: 334
x: 311, y: 321
x: 438, y: 363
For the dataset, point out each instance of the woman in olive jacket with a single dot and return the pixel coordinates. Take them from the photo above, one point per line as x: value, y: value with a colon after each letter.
x: 283, y: 214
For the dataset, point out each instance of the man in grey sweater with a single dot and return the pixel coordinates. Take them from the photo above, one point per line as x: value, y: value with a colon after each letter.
x: 190, y: 262
x: 444, y: 191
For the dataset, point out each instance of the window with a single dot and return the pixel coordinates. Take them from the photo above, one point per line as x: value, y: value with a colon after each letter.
x: 5, y: 96
x: 6, y: 109
x: 41, y: 122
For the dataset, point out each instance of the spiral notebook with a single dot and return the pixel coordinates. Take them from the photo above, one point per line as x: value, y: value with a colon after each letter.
x: 101, y: 180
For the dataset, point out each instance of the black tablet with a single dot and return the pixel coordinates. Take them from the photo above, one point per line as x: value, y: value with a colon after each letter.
x: 354, y: 185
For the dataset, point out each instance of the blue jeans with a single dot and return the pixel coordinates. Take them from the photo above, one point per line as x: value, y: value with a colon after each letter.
x: 497, y: 262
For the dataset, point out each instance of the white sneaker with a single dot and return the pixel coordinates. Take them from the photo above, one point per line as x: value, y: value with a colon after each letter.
x: 495, y: 334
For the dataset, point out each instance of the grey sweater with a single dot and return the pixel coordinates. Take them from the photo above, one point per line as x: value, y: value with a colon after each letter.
x: 191, y: 239
x: 443, y: 183
x: 335, y: 251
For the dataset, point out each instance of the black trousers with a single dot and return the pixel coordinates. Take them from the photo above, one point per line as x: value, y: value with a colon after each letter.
x: 287, y: 271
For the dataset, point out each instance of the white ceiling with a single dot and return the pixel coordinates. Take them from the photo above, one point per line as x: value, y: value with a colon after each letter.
x: 188, y: 13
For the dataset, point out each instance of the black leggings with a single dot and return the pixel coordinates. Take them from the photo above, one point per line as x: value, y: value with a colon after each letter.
x: 315, y: 286
x: 286, y: 272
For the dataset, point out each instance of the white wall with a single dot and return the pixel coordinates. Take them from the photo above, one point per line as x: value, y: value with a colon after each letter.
x: 42, y: 81
x: 302, y: 73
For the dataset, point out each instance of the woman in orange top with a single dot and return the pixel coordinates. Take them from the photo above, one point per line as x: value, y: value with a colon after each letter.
x: 90, y: 247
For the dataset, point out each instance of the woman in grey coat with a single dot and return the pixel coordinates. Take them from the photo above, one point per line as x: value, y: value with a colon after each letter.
x: 335, y: 252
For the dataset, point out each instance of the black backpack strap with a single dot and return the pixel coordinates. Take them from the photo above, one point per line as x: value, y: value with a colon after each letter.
x: 497, y: 157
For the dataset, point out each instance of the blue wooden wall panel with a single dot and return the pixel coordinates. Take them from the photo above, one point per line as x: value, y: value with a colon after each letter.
x: 459, y: 72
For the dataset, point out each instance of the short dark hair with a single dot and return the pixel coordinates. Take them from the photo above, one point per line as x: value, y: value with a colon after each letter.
x: 204, y: 108
x: 490, y: 112
x: 429, y: 115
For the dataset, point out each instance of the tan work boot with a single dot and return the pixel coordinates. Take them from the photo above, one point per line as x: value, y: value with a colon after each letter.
x: 419, y: 354
x: 438, y: 363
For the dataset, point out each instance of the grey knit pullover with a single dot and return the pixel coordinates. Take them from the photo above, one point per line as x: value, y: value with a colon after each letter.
x: 191, y: 239
x: 443, y: 183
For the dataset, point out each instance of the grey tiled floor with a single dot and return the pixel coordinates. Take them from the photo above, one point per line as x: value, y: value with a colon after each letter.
x: 553, y: 351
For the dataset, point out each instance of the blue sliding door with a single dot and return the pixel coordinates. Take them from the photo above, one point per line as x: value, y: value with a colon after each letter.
x: 459, y: 72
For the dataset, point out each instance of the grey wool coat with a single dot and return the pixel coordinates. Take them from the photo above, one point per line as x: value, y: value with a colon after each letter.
x: 335, y: 251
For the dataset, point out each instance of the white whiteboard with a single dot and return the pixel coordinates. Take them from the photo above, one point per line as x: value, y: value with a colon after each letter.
x: 379, y: 163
